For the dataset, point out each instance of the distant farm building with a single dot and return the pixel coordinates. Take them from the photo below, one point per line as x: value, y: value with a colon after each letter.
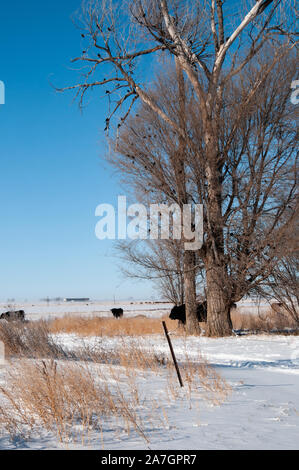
x: 76, y: 299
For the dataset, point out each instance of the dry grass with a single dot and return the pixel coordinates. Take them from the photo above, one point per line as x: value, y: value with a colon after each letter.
x: 75, y: 394
x: 74, y: 399
x: 200, y: 372
x: 31, y: 339
x: 141, y: 325
x: 264, y: 322
x: 97, y: 326
x: 70, y: 400
x: 64, y: 398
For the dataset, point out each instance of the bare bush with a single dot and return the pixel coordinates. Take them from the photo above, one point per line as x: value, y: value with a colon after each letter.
x: 29, y: 340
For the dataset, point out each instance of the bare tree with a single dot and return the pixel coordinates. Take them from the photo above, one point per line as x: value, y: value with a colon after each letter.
x: 259, y: 178
x: 154, y: 161
x: 212, y: 52
x: 283, y: 282
x: 161, y: 262
x: 284, y: 285
x: 259, y: 188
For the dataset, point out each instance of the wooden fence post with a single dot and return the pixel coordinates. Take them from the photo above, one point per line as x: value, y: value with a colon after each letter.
x: 172, y: 354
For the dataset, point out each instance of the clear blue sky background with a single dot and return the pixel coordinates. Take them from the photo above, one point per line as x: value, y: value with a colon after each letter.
x: 52, y: 174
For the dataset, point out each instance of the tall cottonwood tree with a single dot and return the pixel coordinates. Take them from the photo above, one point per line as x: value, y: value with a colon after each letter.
x: 212, y: 52
x: 154, y: 161
x: 259, y: 187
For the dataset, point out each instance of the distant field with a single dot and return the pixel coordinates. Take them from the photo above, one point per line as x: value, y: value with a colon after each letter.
x: 44, y: 311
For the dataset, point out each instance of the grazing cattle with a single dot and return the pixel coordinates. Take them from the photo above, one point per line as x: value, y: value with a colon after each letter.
x: 179, y: 312
x: 14, y: 315
x: 117, y: 312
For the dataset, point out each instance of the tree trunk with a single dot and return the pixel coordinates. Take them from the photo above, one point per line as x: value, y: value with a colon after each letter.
x: 218, y: 316
x: 218, y: 304
x: 192, y: 325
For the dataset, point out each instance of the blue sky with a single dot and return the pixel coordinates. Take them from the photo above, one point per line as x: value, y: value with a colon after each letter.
x: 51, y: 167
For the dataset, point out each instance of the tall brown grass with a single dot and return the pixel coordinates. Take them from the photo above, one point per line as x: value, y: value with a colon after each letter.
x: 262, y: 322
x: 74, y: 394
x: 104, y: 326
x: 61, y: 398
x: 31, y: 339
x: 75, y: 398
x: 141, y: 326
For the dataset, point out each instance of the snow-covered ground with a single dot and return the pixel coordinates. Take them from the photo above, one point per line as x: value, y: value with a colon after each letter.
x: 261, y: 411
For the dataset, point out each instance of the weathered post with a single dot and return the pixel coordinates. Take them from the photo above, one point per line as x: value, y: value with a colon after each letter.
x: 172, y: 354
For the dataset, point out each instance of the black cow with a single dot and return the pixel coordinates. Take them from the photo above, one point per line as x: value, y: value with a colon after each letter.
x: 179, y: 312
x: 13, y: 315
x: 117, y: 312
